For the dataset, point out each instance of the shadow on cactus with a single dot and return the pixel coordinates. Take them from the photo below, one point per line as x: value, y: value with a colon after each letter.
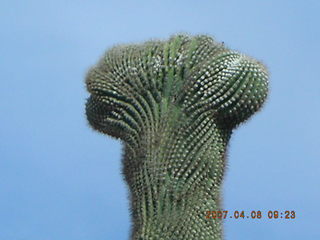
x: 174, y: 105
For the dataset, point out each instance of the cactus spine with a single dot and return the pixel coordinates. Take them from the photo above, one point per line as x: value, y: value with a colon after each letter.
x: 174, y: 105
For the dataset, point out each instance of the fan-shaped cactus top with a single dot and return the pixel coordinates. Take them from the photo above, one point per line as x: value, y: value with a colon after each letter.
x: 196, y: 74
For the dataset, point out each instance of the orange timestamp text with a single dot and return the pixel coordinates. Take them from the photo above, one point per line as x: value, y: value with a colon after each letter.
x: 271, y: 214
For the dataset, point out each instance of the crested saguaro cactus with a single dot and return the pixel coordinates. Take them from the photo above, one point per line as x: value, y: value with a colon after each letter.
x: 174, y: 104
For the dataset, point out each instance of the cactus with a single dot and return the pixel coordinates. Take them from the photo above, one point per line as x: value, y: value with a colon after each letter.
x: 174, y: 105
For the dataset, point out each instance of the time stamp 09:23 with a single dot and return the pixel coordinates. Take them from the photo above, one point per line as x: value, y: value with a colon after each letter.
x: 221, y: 214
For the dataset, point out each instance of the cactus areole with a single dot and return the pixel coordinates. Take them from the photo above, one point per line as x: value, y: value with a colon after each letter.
x: 174, y: 105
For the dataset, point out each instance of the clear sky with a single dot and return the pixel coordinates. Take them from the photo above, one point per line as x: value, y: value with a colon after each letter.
x: 61, y: 180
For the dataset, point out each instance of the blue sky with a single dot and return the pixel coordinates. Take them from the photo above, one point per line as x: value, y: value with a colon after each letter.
x: 61, y: 180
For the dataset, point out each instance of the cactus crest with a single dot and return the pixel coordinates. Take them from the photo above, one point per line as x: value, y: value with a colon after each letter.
x: 174, y: 105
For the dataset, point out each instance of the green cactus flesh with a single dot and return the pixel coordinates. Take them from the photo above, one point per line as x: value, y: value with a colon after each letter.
x: 174, y: 105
